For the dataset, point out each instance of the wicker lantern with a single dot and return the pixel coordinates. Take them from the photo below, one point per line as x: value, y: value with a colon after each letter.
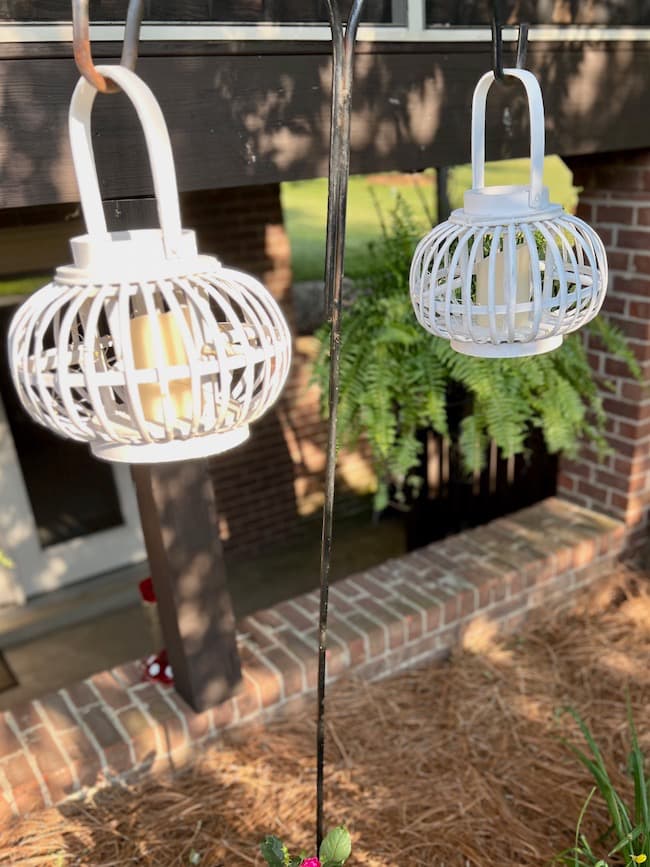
x: 143, y: 348
x: 510, y: 273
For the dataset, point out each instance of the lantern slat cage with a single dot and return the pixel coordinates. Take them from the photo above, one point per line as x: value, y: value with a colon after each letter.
x: 143, y: 348
x: 510, y: 273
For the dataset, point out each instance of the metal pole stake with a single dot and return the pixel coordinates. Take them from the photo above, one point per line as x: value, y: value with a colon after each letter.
x: 343, y: 41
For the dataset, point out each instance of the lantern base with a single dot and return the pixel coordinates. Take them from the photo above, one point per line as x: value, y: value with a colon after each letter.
x: 507, y: 350
x: 175, y: 450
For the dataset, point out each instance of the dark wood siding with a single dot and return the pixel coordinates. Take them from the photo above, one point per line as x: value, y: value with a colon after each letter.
x: 277, y: 11
x: 252, y: 113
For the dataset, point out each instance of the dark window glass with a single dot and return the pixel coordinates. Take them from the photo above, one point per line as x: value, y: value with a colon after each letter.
x: 217, y: 11
x: 613, y: 12
x: 72, y: 494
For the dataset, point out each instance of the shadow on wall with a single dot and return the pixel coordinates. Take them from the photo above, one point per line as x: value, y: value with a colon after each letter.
x: 254, y: 486
x: 244, y: 119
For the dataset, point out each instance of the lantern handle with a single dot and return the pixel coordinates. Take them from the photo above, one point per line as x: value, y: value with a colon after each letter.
x: 536, y: 112
x: 159, y: 149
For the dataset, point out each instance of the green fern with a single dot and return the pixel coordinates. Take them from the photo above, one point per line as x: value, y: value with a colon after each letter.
x: 395, y: 378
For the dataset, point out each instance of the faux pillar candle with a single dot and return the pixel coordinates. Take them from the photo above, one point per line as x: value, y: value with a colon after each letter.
x: 143, y: 330
x: 501, y: 280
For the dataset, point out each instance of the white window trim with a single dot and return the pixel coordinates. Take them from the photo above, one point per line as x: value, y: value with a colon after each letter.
x: 416, y: 31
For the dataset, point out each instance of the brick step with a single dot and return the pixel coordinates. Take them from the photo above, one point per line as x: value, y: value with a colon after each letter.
x: 406, y: 612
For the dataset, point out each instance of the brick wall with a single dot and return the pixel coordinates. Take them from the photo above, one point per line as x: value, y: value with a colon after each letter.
x: 266, y: 486
x: 615, y: 200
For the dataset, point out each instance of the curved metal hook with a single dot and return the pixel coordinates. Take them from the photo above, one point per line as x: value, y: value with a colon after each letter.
x: 497, y: 43
x: 82, y: 51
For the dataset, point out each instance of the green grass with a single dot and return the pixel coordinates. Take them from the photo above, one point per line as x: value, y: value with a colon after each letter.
x: 23, y: 285
x: 305, y: 208
x: 305, y: 211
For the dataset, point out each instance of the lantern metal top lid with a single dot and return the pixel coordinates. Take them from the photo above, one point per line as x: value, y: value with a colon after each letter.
x: 510, y: 273
x: 142, y: 347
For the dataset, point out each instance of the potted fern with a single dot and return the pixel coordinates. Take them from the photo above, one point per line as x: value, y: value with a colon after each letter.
x: 396, y: 380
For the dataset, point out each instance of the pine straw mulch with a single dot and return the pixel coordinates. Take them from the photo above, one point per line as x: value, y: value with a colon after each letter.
x: 458, y: 764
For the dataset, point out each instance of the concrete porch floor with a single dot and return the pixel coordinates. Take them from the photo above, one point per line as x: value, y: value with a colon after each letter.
x: 99, y: 624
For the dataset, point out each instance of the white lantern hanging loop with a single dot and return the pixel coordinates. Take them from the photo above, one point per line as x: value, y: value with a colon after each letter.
x: 537, y: 134
x: 159, y: 150
x: 142, y: 347
x: 510, y: 273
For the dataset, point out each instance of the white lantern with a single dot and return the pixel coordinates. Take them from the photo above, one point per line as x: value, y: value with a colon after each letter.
x: 143, y: 348
x: 510, y: 273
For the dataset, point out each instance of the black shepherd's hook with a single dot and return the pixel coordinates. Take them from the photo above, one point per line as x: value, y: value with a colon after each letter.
x: 497, y: 42
x: 343, y: 42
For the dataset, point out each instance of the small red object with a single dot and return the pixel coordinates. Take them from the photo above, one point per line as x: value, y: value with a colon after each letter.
x: 147, y: 592
x: 158, y: 669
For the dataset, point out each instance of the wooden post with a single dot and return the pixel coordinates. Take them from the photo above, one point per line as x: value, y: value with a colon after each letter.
x: 179, y: 522
x: 180, y: 525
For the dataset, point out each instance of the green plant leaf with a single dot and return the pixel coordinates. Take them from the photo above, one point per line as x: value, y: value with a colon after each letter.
x: 336, y: 847
x: 273, y: 851
x: 397, y: 380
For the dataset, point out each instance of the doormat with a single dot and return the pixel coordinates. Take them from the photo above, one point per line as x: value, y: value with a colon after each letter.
x: 7, y: 679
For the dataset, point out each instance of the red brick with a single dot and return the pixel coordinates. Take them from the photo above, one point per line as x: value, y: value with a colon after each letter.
x: 624, y: 285
x: 585, y: 211
x: 428, y: 603
x: 26, y: 715
x: 632, y: 328
x: 337, y: 661
x: 635, y: 239
x: 291, y: 669
x: 224, y: 714
x: 141, y: 735
x: 643, y: 216
x: 341, y: 596
x: 9, y: 743
x: 7, y: 815
x: 247, y: 699
x: 51, y: 762
x: 130, y: 673
x: 24, y: 785
x: 372, y: 582
x: 640, y: 261
x: 112, y: 692
x: 57, y: 712
x: 294, y: 616
x: 81, y: 694
x: 408, y: 613
x: 606, y: 235
x: 83, y: 755
x: 269, y: 681
x: 199, y: 725
x: 614, y: 214
x: 618, y: 261
x: 393, y: 615
x: 565, y: 482
x: 256, y: 635
x: 625, y: 410
x: 172, y: 731
x: 374, y: 633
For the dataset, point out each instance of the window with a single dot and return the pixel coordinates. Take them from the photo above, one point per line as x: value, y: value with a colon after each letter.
x: 212, y: 11
x: 472, y: 12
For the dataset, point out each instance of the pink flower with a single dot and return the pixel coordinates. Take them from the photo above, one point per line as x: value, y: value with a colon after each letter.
x: 310, y: 862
